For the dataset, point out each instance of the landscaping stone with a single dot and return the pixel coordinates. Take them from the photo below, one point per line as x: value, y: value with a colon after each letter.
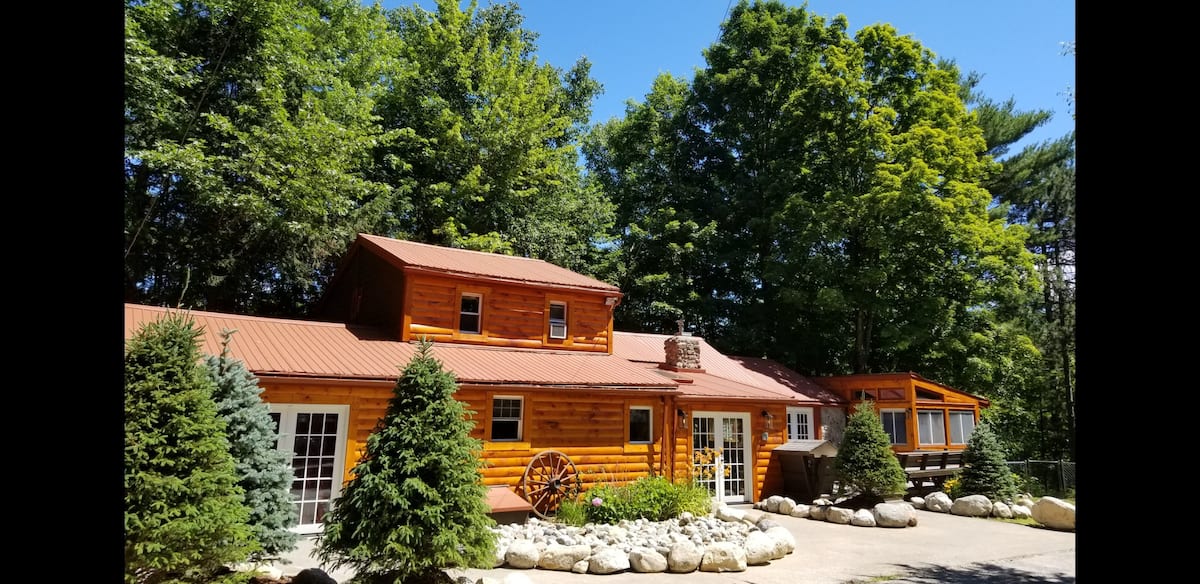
x: 723, y: 557
x: 862, y: 518
x: 1054, y: 513
x: 894, y: 514
x: 684, y: 557
x: 972, y: 506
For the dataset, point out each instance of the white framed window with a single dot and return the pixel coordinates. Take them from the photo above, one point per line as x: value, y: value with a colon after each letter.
x: 799, y: 424
x: 895, y: 423
x: 641, y: 424
x: 962, y: 424
x: 506, y: 418
x: 314, y: 436
x: 558, y: 320
x: 470, y: 312
x: 931, y: 428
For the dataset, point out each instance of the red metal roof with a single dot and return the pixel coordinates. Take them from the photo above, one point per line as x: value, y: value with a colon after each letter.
x: 300, y: 348
x: 762, y: 374
x: 703, y: 385
x: 481, y: 264
x: 985, y: 402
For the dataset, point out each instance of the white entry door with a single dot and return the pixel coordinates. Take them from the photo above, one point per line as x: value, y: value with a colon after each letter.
x: 314, y: 436
x: 721, y: 454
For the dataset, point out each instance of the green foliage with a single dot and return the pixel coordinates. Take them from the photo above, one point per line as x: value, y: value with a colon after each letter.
x: 653, y: 497
x: 953, y: 487
x: 184, y: 516
x: 865, y: 462
x: 985, y: 470
x: 415, y: 503
x: 571, y: 512
x: 264, y: 472
x: 486, y: 150
x: 693, y: 498
x: 809, y: 196
x: 249, y: 138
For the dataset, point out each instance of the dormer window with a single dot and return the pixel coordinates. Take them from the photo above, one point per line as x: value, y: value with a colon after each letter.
x: 470, y: 306
x: 558, y: 320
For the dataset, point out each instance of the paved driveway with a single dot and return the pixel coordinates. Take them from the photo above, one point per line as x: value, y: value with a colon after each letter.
x: 942, y: 548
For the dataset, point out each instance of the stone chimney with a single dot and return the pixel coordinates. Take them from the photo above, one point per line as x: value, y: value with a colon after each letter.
x: 683, y: 353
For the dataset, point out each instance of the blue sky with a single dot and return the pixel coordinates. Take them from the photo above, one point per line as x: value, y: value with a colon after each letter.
x: 1015, y: 44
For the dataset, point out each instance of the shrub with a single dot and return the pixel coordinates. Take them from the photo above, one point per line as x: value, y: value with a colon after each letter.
x: 985, y: 471
x: 184, y: 515
x: 694, y: 498
x: 953, y: 487
x: 654, y: 498
x: 865, y: 462
x: 571, y: 512
x: 415, y: 503
x: 264, y: 472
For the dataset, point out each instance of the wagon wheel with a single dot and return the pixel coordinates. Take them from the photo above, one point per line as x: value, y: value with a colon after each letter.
x: 549, y: 479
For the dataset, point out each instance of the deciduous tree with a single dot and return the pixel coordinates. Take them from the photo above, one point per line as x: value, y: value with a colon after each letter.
x: 249, y: 127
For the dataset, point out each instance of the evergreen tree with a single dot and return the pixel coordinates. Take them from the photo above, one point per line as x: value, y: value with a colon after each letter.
x: 184, y: 516
x: 864, y: 461
x: 416, y: 501
x: 985, y: 471
x: 263, y: 471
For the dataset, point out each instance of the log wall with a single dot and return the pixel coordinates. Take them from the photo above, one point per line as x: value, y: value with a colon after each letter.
x: 511, y: 315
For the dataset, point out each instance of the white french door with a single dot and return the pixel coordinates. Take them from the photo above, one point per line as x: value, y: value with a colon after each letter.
x: 314, y: 436
x: 721, y: 455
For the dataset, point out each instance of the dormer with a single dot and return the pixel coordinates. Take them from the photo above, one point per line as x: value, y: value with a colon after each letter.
x: 461, y: 296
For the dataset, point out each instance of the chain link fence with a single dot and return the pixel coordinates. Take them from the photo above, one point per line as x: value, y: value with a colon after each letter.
x: 1045, y: 477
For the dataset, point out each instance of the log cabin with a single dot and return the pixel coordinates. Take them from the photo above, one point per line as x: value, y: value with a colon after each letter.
x: 547, y: 381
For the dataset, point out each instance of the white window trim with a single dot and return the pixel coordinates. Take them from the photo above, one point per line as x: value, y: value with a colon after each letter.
x: 520, y: 418
x: 650, y: 430
x: 930, y: 415
x: 904, y: 437
x: 554, y: 321
x: 478, y: 315
x: 793, y: 415
x: 284, y: 441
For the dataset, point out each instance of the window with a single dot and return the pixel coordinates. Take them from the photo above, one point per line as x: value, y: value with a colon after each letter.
x: 931, y: 427
x: 468, y: 313
x: 558, y: 320
x: 894, y: 424
x: 962, y: 424
x: 799, y: 424
x: 506, y: 419
x: 314, y: 438
x: 639, y: 424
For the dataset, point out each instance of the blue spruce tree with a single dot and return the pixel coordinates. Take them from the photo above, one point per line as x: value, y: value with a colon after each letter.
x: 264, y: 472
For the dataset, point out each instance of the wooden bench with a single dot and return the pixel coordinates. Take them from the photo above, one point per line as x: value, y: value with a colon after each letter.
x: 930, y: 466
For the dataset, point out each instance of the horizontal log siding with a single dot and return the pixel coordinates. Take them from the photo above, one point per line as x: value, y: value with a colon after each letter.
x: 367, y: 404
x: 591, y: 430
x: 768, y: 476
x: 513, y: 315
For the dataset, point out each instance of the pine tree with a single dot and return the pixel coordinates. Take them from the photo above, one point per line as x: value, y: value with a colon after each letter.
x: 864, y: 461
x: 264, y: 472
x: 184, y: 516
x: 415, y: 503
x: 985, y: 470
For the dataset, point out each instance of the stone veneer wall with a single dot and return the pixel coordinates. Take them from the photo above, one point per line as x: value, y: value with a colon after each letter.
x: 683, y: 352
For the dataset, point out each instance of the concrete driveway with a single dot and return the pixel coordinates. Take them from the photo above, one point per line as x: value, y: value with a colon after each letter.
x: 942, y: 548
